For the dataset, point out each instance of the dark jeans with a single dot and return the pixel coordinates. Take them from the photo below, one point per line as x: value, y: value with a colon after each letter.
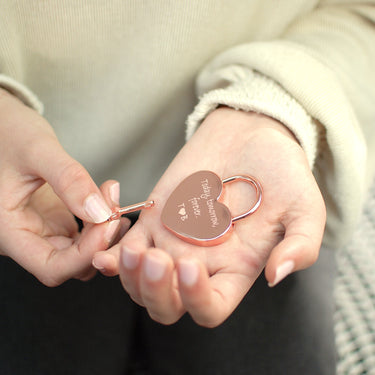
x: 94, y: 328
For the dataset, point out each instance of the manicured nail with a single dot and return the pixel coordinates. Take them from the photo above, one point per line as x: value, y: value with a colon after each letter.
x: 282, y: 272
x: 188, y: 272
x: 130, y: 258
x: 97, y: 264
x: 97, y: 209
x: 154, y: 268
x: 111, y: 231
x: 114, y: 193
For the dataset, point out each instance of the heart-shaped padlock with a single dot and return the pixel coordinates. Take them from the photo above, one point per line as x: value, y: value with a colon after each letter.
x: 194, y: 213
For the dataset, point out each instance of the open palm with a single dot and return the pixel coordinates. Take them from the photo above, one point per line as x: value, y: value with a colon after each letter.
x: 169, y: 276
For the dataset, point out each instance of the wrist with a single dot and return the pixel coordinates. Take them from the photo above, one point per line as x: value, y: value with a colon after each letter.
x: 247, y: 121
x: 5, y: 93
x: 8, y: 100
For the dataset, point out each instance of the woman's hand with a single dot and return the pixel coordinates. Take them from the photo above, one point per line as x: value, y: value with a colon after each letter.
x: 40, y: 187
x: 169, y: 276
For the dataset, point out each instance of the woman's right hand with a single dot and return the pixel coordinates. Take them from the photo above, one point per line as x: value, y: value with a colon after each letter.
x: 41, y: 189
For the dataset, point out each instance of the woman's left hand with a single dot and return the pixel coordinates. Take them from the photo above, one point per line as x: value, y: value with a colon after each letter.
x: 169, y: 276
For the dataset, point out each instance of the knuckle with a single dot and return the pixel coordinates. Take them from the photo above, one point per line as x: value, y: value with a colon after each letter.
x: 72, y: 173
x: 138, y: 300
x: 209, y: 322
x: 308, y: 249
x: 133, y: 294
x: 312, y: 257
x: 37, y: 147
x: 49, y: 276
x: 131, y: 289
x: 49, y: 281
x: 311, y: 252
x: 159, y: 317
x: 88, y: 276
x: 149, y: 297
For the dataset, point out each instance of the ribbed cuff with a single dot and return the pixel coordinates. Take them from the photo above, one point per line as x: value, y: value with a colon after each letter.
x: 257, y: 93
x: 21, y: 92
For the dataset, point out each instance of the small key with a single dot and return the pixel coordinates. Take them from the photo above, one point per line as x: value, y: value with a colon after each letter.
x: 118, y: 212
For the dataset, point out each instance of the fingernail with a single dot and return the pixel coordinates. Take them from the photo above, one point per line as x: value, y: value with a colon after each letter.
x: 130, y: 258
x: 97, y: 209
x: 282, y: 271
x: 154, y: 268
x: 96, y: 264
x: 114, y: 193
x: 111, y: 231
x: 188, y: 272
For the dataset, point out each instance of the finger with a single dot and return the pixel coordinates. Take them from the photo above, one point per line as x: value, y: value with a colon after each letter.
x: 108, y: 261
x: 138, y: 237
x: 70, y: 181
x: 158, y: 288
x: 88, y: 275
x: 111, y: 192
x: 130, y: 270
x: 132, y: 249
x: 57, y: 218
x: 56, y: 259
x: 298, y: 250
x: 125, y: 224
x: 209, y: 300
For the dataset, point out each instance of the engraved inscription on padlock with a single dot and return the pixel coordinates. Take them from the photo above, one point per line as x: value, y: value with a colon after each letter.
x: 194, y: 213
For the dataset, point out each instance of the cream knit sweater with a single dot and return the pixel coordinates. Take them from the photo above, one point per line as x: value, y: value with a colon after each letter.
x: 117, y: 80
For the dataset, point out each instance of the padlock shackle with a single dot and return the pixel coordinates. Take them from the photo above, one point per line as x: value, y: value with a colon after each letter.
x: 258, y: 191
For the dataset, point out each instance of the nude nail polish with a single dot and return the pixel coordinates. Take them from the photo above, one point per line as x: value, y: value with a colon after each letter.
x: 282, y: 272
x: 111, y: 230
x: 188, y: 272
x: 96, y: 264
x: 114, y: 192
x: 129, y: 258
x: 154, y: 268
x: 97, y: 209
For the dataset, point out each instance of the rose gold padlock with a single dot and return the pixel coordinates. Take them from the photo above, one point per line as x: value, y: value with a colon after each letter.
x: 194, y: 213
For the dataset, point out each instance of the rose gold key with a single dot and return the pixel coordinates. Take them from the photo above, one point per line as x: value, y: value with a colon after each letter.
x: 118, y: 212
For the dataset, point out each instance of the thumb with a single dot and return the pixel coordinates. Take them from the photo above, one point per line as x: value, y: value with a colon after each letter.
x: 298, y: 250
x: 71, y: 182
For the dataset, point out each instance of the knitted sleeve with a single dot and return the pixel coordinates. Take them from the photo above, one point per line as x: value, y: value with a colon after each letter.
x: 21, y: 92
x: 318, y: 79
x: 9, y: 47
